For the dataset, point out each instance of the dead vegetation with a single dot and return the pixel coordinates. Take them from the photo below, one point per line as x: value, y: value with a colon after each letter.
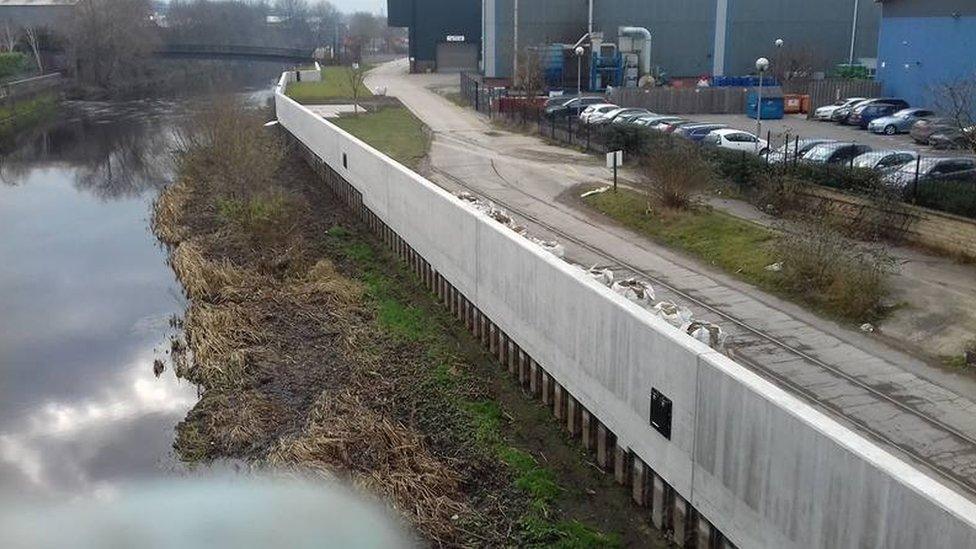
x: 289, y: 350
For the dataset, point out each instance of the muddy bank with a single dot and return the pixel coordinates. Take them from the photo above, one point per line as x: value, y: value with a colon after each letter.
x: 314, y: 349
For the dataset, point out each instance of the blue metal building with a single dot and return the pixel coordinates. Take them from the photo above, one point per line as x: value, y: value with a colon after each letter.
x: 925, y: 45
x: 445, y: 35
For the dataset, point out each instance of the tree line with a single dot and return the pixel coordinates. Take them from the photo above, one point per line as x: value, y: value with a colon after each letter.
x: 101, y: 41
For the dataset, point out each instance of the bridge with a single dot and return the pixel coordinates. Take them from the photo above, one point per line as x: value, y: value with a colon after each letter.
x: 211, y: 51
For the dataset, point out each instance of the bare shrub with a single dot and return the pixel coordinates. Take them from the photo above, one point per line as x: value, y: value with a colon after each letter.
x: 778, y: 193
x: 227, y: 147
x: 676, y: 173
x: 829, y: 270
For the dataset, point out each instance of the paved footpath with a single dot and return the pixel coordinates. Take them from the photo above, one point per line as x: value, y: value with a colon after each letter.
x: 913, y: 409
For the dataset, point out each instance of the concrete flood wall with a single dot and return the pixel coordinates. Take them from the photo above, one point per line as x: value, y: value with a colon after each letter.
x: 746, y: 464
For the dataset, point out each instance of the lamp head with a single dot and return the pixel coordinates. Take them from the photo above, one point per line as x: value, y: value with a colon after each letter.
x: 762, y: 64
x: 779, y: 42
x: 579, y: 51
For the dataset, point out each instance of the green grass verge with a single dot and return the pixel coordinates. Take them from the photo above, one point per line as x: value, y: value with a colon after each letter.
x: 401, y: 316
x: 395, y: 131
x: 334, y: 85
x: 737, y: 246
x: 25, y: 114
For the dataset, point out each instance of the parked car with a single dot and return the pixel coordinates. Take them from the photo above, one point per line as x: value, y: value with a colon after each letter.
x: 626, y: 118
x: 571, y: 107
x: 796, y: 149
x: 670, y: 126
x: 863, y: 115
x: 697, y: 132
x: 649, y: 121
x: 605, y: 118
x: 842, y: 115
x: 923, y: 129
x: 735, y: 140
x: 824, y: 113
x: 932, y: 169
x: 952, y: 138
x: 899, y: 122
x: 835, y: 153
x: 593, y: 110
x: 884, y: 161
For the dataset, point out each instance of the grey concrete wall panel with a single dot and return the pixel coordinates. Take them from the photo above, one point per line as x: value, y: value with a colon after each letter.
x: 793, y: 477
x: 764, y: 467
x: 822, y: 28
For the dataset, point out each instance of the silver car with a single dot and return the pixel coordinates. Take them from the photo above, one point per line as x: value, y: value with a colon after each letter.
x: 899, y: 122
x: 884, y: 161
x: 824, y: 113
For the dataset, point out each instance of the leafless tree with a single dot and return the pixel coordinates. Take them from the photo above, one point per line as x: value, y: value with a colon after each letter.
x: 956, y: 99
x: 30, y: 32
x: 795, y: 61
x: 356, y: 75
x: 8, y: 39
x: 363, y: 28
x: 110, y: 40
x: 530, y: 78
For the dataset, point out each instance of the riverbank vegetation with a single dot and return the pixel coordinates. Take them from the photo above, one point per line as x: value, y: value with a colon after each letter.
x: 315, y: 349
x: 23, y: 114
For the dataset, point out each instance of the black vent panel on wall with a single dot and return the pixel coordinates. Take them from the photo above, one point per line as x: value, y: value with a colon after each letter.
x: 661, y: 413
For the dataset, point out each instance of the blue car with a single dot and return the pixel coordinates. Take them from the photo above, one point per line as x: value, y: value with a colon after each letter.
x: 863, y: 115
x: 697, y: 132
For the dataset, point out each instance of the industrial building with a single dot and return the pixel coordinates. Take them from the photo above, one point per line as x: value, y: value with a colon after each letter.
x: 925, y: 45
x: 689, y: 37
x: 445, y: 35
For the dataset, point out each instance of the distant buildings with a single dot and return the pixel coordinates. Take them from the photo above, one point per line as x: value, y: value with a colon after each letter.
x: 925, y: 44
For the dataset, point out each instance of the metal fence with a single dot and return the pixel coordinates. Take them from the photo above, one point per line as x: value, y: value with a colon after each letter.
x: 729, y: 100
x: 826, y: 92
x: 910, y: 182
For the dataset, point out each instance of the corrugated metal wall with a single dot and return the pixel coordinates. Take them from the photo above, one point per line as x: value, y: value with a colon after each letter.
x: 432, y: 21
x: 684, y: 31
x: 540, y: 22
x: 821, y: 30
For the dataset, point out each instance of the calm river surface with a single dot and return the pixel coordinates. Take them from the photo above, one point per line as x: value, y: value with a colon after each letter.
x: 86, y: 300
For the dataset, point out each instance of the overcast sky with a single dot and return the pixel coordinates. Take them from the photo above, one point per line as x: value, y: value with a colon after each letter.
x: 349, y: 6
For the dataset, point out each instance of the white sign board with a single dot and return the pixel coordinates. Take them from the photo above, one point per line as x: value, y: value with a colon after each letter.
x: 455, y: 38
x: 615, y: 158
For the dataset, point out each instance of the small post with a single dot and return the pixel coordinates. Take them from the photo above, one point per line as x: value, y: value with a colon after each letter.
x: 918, y: 168
x: 796, y: 150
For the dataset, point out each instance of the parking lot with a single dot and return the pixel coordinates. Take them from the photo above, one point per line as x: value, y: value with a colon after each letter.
x: 796, y: 124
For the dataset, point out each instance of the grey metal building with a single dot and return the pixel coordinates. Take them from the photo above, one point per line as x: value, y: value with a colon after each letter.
x: 445, y: 35
x: 690, y: 37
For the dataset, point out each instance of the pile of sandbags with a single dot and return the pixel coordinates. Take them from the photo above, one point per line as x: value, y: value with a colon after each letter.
x: 505, y: 219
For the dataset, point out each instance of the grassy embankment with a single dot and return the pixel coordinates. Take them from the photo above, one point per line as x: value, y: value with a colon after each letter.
x: 391, y: 129
x: 838, y: 285
x: 25, y: 114
x: 316, y: 349
x: 335, y: 84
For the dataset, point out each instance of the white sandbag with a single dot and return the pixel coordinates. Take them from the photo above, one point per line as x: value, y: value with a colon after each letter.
x: 550, y: 246
x: 604, y: 276
x: 679, y: 317
x: 638, y: 291
x: 708, y: 333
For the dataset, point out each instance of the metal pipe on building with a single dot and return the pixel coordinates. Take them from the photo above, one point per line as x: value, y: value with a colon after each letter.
x: 589, y: 28
x: 850, y: 60
x: 515, y: 47
x: 645, y: 63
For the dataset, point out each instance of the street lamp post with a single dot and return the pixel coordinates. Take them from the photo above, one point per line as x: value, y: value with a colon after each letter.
x: 762, y: 64
x: 579, y: 76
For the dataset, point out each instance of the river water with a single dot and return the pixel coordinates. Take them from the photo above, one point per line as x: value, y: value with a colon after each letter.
x: 86, y: 299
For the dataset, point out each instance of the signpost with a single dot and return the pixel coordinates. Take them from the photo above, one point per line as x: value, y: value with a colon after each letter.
x: 614, y: 159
